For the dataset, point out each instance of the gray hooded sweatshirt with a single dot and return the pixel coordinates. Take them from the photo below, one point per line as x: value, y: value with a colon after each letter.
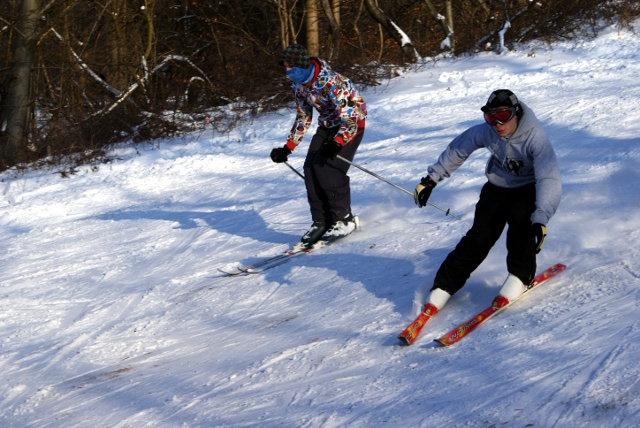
x: 523, y: 158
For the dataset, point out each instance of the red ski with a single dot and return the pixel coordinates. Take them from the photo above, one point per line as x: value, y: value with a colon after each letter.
x: 462, y: 331
x: 409, y: 335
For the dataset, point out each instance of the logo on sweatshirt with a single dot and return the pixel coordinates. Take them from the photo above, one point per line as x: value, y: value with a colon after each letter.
x: 514, y: 165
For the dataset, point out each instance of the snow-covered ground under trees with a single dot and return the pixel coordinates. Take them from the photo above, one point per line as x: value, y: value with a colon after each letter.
x: 113, y: 313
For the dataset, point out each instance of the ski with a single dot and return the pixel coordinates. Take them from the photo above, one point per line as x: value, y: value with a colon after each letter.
x: 282, y: 258
x: 409, y: 334
x: 463, y: 330
x: 266, y: 263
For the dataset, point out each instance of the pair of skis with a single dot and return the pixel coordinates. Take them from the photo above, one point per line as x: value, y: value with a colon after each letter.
x: 409, y: 335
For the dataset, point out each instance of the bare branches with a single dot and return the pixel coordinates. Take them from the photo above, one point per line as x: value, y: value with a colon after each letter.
x: 334, y: 26
x: 124, y: 65
x: 393, y: 30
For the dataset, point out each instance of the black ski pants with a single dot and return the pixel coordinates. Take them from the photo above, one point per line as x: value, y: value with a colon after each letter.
x: 327, y: 182
x: 496, y: 208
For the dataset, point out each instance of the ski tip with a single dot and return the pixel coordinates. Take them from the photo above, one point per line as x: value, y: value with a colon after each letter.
x: 404, y: 341
x: 226, y: 274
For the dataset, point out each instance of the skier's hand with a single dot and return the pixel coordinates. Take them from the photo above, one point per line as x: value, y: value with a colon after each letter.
x: 280, y: 154
x: 538, y: 236
x: 330, y: 149
x: 423, y: 191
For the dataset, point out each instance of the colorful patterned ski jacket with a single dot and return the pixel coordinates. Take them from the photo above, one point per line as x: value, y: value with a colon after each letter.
x: 337, y: 101
x: 525, y: 157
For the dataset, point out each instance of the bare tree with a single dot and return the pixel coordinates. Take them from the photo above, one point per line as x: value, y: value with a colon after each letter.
x: 287, y: 33
x: 332, y: 13
x: 445, y: 23
x: 450, y: 31
x: 18, y: 100
x: 393, y: 30
x: 78, y: 75
x: 313, y: 38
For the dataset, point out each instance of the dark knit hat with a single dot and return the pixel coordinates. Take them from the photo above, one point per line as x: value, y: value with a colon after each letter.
x: 503, y: 98
x: 295, y: 56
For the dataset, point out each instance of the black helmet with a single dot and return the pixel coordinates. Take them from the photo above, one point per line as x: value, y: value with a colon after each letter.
x: 503, y: 98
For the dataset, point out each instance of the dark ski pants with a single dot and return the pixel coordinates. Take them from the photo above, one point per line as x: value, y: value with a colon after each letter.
x: 327, y: 182
x: 496, y: 208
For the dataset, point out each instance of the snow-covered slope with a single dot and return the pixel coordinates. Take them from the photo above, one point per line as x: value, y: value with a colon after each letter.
x: 113, y: 313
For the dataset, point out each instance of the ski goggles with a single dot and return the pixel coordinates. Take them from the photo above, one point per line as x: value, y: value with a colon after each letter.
x: 500, y: 117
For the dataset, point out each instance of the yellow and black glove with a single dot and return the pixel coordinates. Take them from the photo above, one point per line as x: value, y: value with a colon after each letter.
x: 538, y: 236
x: 423, y: 191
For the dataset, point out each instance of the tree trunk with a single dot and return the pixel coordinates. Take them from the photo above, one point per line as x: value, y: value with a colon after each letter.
x: 19, y: 100
x: 335, y: 6
x: 451, y: 32
x: 313, y: 41
x: 283, y: 20
x: 394, y: 31
x: 333, y: 16
x: 446, y: 43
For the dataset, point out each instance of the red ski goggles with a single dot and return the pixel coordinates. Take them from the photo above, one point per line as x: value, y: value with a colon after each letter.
x: 501, y: 116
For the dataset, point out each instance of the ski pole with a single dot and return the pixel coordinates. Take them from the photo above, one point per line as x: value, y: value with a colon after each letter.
x: 446, y: 212
x: 293, y: 169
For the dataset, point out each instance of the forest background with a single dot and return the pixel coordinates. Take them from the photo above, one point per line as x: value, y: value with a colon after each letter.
x: 77, y: 76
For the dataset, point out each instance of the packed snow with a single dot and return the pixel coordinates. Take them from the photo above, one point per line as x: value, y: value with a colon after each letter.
x: 113, y: 312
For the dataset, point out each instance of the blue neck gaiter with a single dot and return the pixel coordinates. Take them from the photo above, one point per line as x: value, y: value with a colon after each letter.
x: 301, y: 75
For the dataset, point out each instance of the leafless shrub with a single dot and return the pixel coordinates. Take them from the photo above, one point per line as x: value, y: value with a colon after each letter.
x: 109, y: 72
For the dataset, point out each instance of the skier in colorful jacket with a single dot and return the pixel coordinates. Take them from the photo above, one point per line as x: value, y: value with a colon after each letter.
x: 341, y: 124
x: 523, y: 191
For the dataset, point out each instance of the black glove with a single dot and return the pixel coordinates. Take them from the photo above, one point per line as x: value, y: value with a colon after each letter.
x: 279, y: 154
x: 423, y: 191
x: 538, y: 236
x: 330, y: 149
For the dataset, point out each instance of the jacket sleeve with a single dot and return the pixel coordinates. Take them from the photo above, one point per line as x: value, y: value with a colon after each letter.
x: 548, y: 181
x: 456, y: 153
x: 304, y: 116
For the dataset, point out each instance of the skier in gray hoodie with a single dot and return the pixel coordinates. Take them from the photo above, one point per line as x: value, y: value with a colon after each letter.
x: 523, y: 191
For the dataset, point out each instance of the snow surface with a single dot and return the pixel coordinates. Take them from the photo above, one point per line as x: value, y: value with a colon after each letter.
x: 113, y: 313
